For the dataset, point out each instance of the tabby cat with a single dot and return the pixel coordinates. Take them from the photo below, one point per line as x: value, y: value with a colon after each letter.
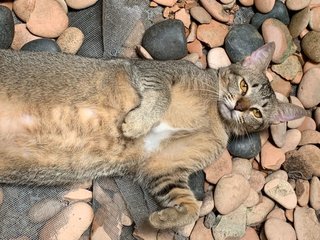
x: 66, y: 119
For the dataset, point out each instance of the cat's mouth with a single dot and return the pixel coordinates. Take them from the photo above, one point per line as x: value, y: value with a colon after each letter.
x: 225, y: 111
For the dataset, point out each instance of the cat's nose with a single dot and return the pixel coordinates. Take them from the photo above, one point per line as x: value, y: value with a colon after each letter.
x: 242, y: 105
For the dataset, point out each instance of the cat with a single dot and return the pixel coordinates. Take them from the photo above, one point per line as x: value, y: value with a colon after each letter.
x: 66, y: 119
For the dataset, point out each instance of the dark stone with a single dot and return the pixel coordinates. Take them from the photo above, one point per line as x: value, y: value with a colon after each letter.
x: 210, y: 220
x: 296, y: 166
x: 166, y: 40
x: 279, y: 12
x: 241, y: 41
x: 243, y: 15
x: 247, y: 146
x: 41, y: 45
x: 196, y: 183
x: 6, y: 27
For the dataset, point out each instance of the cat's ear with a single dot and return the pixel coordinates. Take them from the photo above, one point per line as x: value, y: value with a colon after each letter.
x: 286, y: 112
x: 260, y: 58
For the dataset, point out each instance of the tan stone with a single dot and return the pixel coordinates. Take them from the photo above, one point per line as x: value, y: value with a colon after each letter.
x: 315, y: 193
x: 78, y: 195
x: 200, y: 231
x: 276, y: 229
x: 271, y: 157
x: 306, y: 224
x: 297, y: 122
x: 183, y: 16
x: 307, y: 124
x: 216, y: 10
x: 257, y: 180
x: 21, y: 36
x: 195, y: 47
x: 277, y: 213
x: 309, y: 137
x: 264, y: 6
x: 200, y: 14
x: 168, y: 3
x: 23, y: 8
x: 218, y: 58
x: 302, y: 192
x: 315, y: 19
x: 258, y: 213
x: 250, y: 234
x: 297, y: 4
x: 70, y: 40
x: 80, y: 4
x: 212, y: 34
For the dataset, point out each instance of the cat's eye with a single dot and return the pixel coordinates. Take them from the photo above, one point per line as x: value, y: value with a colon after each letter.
x: 243, y: 87
x: 256, y: 112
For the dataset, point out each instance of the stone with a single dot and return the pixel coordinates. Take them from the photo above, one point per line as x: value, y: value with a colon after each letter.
x: 41, y: 45
x: 253, y: 198
x: 186, y: 230
x: 250, y: 234
x: 293, y: 137
x: 302, y: 192
x: 44, y: 210
x: 165, y: 35
x: 23, y: 8
x: 297, y: 122
x: 280, y: 174
x: 307, y: 124
x: 207, y: 204
x: 299, y: 22
x: 231, y: 226
x: 241, y: 41
x: 168, y: 3
x: 142, y: 52
x: 200, y: 231
x: 210, y: 220
x: 314, y: 22
x: 317, y: 117
x: 81, y: 4
x: 275, y: 31
x: 242, y: 166
x: 8, y: 4
x: 192, y: 57
x: 21, y: 36
x: 279, y: 85
x: 277, y: 213
x: 184, y: 17
x: 306, y: 224
x: 247, y: 3
x: 258, y: 213
x: 297, y: 4
x: 310, y: 46
x: 279, y: 12
x: 216, y: 10
x: 212, y: 34
x: 70, y: 40
x: 257, y: 180
x: 165, y: 235
x: 195, y: 47
x: 271, y: 157
x: 247, y: 146
x: 218, y: 58
x: 1, y: 196
x: 6, y: 27
x: 218, y: 168
x: 69, y: 224
x: 296, y: 166
x: 48, y: 19
x: 289, y: 214
x: 64, y: 5
x: 200, y: 14
x: 78, y: 195
x: 309, y: 137
x: 278, y: 133
x: 308, y: 65
x: 315, y: 193
x: 309, y: 88
x: 144, y: 232
x: 264, y: 136
x: 264, y: 6
x: 193, y: 32
x: 230, y: 192
x: 276, y: 229
x: 289, y: 68
x: 243, y: 15
x: 282, y: 192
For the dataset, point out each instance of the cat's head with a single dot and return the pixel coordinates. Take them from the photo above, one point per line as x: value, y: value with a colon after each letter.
x: 247, y: 102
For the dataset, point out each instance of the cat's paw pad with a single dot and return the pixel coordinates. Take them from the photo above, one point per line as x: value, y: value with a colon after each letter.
x: 171, y: 217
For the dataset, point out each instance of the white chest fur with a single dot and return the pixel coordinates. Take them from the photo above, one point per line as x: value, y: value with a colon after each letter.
x: 158, y: 134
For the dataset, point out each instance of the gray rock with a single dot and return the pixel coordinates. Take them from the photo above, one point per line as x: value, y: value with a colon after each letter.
x: 241, y: 41
x: 279, y: 12
x: 166, y: 40
x: 6, y: 27
x: 41, y: 45
x: 247, y: 146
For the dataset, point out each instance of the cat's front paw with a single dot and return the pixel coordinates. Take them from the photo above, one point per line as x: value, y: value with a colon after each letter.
x: 134, y: 125
x: 172, y: 217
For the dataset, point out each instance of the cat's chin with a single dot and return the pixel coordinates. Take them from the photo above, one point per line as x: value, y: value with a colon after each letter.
x: 225, y: 112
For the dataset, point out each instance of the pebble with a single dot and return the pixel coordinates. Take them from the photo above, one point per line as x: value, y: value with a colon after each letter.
x: 307, y: 124
x: 308, y: 65
x: 64, y: 5
x: 299, y: 22
x: 250, y: 234
x: 207, y: 204
x: 247, y: 3
x: 186, y: 230
x: 216, y: 10
x: 142, y: 52
x: 81, y: 4
x: 315, y: 193
x: 309, y: 137
x: 218, y: 168
x: 241, y: 41
x: 257, y: 180
x: 195, y: 47
x: 48, y: 19
x: 293, y: 137
x: 168, y: 34
x: 309, y: 88
x: 218, y: 58
x: 210, y: 220
x: 302, y: 192
x: 184, y: 17
x: 78, y: 195
x: 200, y: 14
x: 253, y: 198
x: 279, y: 174
x: 306, y: 224
x: 212, y: 34
x: 192, y: 57
x: 231, y: 226
x: 289, y: 68
x: 70, y: 40
x: 23, y: 8
x: 282, y: 192
x: 310, y: 45
x: 247, y: 146
x: 271, y: 157
x: 200, y: 231
x: 69, y: 224
x: 41, y: 45
x: 277, y: 213
x: 168, y: 3
x: 296, y: 166
x: 242, y: 166
x: 278, y: 133
x: 258, y: 213
x: 44, y: 210
x: 6, y: 27
x: 297, y: 122
x: 264, y: 136
x: 279, y: 85
x: 21, y: 36
x: 264, y: 6
x: 279, y: 12
x: 289, y: 214
x: 297, y: 4
x: 193, y: 32
x: 8, y: 4
x: 314, y: 22
x: 276, y: 229
x: 275, y: 31
x: 230, y: 192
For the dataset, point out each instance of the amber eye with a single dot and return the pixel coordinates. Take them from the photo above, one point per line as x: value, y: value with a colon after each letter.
x: 243, y: 87
x: 256, y: 112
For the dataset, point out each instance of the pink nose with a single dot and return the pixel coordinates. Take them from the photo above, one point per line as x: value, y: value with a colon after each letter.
x: 241, y: 105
